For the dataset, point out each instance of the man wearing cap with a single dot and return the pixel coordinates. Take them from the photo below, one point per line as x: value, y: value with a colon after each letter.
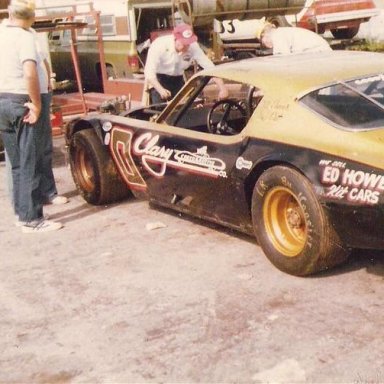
x: 20, y: 109
x: 287, y: 40
x: 168, y: 57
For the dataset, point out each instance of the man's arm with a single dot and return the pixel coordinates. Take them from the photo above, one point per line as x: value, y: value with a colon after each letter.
x: 163, y: 92
x: 150, y: 70
x: 48, y: 69
x: 33, y: 88
x: 203, y: 60
x: 223, y: 90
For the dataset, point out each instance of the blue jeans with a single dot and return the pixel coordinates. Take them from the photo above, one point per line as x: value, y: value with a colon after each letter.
x: 48, y: 184
x: 21, y: 143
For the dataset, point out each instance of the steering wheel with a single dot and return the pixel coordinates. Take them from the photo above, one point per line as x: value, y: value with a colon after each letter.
x: 221, y: 113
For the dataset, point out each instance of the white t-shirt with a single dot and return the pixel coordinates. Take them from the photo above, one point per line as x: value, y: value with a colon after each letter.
x: 17, y: 46
x: 287, y: 40
x: 163, y: 58
x: 41, y: 68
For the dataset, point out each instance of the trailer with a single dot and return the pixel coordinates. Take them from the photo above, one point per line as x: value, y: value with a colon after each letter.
x: 112, y: 47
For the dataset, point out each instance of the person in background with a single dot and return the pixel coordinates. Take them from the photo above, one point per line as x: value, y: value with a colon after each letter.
x: 287, y: 40
x: 168, y: 57
x: 20, y: 109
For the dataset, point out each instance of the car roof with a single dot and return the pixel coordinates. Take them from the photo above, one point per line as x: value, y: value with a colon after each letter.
x: 298, y: 73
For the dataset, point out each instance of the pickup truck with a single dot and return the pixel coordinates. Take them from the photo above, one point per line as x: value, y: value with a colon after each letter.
x: 341, y: 17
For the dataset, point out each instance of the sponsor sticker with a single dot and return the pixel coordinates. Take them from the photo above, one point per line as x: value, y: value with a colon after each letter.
x: 353, y: 185
x: 241, y: 163
x: 156, y: 158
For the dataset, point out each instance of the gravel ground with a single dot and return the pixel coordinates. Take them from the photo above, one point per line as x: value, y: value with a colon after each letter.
x: 107, y: 300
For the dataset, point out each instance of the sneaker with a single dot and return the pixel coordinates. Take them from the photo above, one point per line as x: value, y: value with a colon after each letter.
x: 58, y: 200
x: 39, y: 226
x: 19, y: 223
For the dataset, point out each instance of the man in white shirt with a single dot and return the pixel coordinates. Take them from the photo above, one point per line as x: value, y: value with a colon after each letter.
x: 20, y: 111
x: 287, y: 40
x: 168, y: 57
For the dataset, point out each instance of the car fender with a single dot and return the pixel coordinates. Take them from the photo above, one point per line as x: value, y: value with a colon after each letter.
x: 78, y: 124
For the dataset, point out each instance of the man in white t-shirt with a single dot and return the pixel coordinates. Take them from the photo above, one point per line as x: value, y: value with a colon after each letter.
x: 168, y: 57
x: 288, y: 40
x: 20, y: 110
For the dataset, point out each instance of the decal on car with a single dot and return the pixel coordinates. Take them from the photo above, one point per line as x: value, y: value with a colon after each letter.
x: 154, y: 155
x: 241, y: 163
x: 156, y: 158
x: 350, y: 184
x: 273, y: 110
x: 120, y: 144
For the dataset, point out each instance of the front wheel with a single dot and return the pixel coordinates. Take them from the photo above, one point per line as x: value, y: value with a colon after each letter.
x: 291, y: 226
x: 93, y: 170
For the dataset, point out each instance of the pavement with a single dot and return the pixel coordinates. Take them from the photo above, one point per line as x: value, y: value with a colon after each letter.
x: 129, y: 293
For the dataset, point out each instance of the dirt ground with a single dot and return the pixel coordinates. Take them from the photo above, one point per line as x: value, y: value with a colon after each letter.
x: 107, y: 299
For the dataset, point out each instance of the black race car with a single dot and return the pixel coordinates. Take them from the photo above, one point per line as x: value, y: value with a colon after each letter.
x: 294, y: 156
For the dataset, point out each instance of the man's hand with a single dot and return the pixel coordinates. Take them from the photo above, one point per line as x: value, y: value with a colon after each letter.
x: 223, y: 93
x: 165, y: 94
x: 223, y: 90
x: 33, y: 114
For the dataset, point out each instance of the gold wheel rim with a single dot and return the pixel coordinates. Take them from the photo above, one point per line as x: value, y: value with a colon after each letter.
x: 84, y: 171
x: 285, y: 223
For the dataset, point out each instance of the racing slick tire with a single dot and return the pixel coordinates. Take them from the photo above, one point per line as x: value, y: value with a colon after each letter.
x: 93, y: 170
x: 291, y: 226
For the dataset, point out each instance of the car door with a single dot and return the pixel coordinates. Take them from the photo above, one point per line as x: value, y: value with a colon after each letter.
x: 196, y: 167
x: 191, y: 158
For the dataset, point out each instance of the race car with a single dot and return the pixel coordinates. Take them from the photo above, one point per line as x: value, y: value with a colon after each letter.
x: 294, y: 156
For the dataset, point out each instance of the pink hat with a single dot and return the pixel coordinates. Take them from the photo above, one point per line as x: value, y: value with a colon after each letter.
x: 184, y: 33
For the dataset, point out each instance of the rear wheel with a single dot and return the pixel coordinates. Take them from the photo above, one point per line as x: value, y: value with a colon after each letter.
x: 345, y: 33
x: 93, y: 170
x: 291, y: 226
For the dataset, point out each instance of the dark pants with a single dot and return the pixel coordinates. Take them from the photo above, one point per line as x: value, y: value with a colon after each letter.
x: 172, y: 83
x: 48, y: 184
x: 21, y: 143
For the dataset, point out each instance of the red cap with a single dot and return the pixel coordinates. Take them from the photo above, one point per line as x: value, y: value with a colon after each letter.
x: 184, y: 33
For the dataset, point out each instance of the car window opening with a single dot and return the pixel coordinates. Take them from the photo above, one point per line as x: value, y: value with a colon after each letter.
x: 198, y: 108
x: 356, y: 104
